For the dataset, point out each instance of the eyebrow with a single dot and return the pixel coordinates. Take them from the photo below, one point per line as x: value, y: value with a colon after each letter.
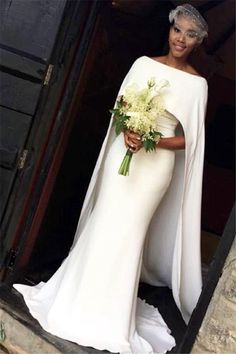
x: 189, y: 30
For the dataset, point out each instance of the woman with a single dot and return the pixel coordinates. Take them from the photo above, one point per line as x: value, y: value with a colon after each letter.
x: 148, y: 222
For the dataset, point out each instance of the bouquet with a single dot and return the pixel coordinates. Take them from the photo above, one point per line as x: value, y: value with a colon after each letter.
x: 138, y: 109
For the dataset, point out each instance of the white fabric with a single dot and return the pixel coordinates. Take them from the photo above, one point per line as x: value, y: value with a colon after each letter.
x: 92, y: 298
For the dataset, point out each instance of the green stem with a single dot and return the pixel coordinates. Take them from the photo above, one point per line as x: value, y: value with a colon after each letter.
x: 125, y: 164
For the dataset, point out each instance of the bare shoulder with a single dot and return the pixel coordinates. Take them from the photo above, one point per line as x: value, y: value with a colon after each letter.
x: 161, y: 59
x: 188, y: 69
x: 191, y: 70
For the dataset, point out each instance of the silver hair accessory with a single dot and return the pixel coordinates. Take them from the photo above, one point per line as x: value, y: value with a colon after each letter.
x: 189, y: 10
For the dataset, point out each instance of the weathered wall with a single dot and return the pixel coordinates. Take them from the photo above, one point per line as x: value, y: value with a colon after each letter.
x: 21, y: 340
x: 218, y: 331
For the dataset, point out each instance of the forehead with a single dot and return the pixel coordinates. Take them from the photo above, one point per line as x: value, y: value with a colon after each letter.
x: 186, y: 23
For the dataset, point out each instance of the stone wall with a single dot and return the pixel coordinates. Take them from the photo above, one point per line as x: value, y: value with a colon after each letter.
x: 20, y: 339
x: 218, y: 331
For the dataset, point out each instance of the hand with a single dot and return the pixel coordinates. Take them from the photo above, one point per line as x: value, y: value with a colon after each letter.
x: 132, y: 140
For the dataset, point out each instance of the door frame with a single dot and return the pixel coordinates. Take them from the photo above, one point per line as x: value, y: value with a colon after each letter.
x: 47, y: 140
x: 213, y: 276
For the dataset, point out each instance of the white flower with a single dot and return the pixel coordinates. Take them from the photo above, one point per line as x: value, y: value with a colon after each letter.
x: 139, y: 110
x: 143, y: 106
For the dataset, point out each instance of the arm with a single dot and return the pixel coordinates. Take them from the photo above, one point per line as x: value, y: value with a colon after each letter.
x: 133, y: 141
x: 173, y: 143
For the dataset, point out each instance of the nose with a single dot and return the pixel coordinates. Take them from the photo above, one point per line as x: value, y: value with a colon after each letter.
x: 181, y: 37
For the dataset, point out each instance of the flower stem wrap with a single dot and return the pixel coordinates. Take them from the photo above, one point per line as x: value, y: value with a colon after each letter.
x: 124, y: 167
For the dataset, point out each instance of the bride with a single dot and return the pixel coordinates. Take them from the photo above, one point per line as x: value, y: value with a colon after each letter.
x: 144, y: 225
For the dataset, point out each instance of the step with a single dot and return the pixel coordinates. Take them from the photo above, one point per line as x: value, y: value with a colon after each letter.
x: 24, y: 335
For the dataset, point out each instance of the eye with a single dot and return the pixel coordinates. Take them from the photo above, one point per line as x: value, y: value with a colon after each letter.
x: 192, y: 35
x: 176, y: 29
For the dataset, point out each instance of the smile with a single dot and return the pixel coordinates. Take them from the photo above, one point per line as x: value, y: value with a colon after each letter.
x: 179, y: 48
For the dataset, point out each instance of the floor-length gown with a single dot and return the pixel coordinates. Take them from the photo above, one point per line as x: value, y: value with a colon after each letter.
x: 92, y: 298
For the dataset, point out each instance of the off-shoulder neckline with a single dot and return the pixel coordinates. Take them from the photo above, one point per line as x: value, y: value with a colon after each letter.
x: 172, y: 68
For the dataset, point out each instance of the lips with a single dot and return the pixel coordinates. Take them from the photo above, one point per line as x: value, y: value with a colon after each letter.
x: 179, y: 48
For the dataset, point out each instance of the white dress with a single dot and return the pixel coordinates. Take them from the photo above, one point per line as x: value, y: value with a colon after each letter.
x: 92, y: 298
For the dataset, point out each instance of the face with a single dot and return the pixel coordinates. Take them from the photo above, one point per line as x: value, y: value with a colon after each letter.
x: 183, y: 37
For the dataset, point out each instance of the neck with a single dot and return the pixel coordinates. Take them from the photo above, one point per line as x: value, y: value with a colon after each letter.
x: 177, y: 63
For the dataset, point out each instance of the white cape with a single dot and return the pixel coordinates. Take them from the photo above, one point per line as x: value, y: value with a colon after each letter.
x: 173, y: 258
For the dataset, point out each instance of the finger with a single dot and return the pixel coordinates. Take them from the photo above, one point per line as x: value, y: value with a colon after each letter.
x: 134, y: 136
x: 136, y: 142
x: 126, y: 141
x: 129, y: 144
x: 133, y: 144
x: 132, y: 150
x: 135, y: 149
x: 132, y: 147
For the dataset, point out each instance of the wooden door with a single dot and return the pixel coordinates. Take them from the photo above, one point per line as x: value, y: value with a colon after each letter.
x: 28, y: 33
x: 39, y: 40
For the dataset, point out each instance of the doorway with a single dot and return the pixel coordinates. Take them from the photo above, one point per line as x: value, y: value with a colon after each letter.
x: 116, y: 33
x: 119, y: 32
